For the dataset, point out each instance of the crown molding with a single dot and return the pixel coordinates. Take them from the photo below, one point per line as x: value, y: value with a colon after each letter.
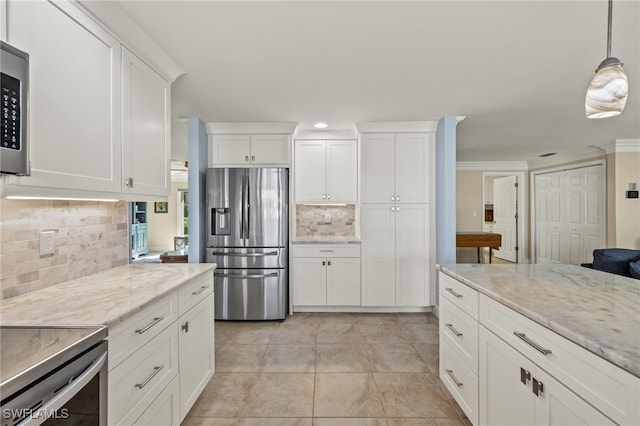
x: 497, y: 166
x: 325, y: 134
x: 269, y: 128
x: 397, y: 126
x: 622, y: 145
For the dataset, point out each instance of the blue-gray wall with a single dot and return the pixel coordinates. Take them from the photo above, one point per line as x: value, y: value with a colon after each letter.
x: 446, y: 191
x: 197, y: 155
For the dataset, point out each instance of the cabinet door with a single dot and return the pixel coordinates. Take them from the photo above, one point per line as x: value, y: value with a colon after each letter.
x: 196, y: 353
x: 412, y: 168
x: 164, y: 410
x: 74, y: 99
x: 145, y: 128
x: 271, y: 150
x: 342, y: 171
x: 378, y: 182
x: 142, y: 236
x: 343, y: 281
x: 378, y: 255
x: 504, y: 398
x: 309, y: 281
x: 412, y: 254
x: 230, y: 150
x: 310, y: 171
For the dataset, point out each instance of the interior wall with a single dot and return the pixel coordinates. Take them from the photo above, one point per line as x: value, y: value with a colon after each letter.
x: 162, y: 227
x: 90, y: 236
x: 469, y: 213
x: 627, y: 218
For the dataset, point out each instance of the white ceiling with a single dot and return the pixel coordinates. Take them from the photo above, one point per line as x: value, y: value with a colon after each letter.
x: 518, y: 70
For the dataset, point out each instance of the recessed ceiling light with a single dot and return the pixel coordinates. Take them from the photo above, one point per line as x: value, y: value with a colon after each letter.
x: 548, y: 154
x: 320, y: 125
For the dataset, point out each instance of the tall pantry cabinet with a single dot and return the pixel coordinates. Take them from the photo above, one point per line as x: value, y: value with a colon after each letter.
x: 396, y: 177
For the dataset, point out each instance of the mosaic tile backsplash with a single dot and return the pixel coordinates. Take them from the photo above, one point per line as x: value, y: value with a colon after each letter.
x: 90, y: 236
x: 338, y: 221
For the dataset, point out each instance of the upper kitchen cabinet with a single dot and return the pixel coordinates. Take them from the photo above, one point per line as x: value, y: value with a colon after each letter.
x: 326, y: 171
x: 396, y: 168
x: 145, y: 128
x: 249, y: 150
x: 74, y: 98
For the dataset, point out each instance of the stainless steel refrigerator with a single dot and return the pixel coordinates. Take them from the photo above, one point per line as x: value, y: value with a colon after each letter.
x: 248, y: 237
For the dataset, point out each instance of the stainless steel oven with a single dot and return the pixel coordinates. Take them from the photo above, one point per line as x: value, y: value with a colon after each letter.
x: 53, y: 376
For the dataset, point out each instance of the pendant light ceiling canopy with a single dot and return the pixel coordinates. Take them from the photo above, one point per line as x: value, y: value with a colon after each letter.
x: 608, y: 91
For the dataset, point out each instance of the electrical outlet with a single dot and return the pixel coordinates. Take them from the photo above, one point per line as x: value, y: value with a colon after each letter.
x: 46, y: 242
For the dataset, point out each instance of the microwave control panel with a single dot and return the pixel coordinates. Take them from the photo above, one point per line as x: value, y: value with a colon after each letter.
x: 10, y: 125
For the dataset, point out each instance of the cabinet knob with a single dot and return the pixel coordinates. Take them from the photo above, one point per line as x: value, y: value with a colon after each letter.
x: 185, y: 327
x: 393, y: 198
x: 129, y: 182
x: 392, y: 208
x: 397, y: 198
x: 329, y: 263
x: 246, y: 158
x: 324, y: 263
x: 328, y: 196
x: 323, y: 196
x: 253, y: 158
x: 525, y: 376
x: 537, y: 387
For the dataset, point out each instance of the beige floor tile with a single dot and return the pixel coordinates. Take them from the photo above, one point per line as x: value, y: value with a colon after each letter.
x: 346, y: 395
x: 396, y: 358
x: 342, y: 358
x: 381, y: 318
x: 294, y: 334
x: 253, y: 333
x: 383, y: 333
x: 210, y: 421
x: 416, y: 318
x: 343, y: 421
x: 289, y: 359
x: 339, y: 332
x: 280, y: 395
x: 275, y: 421
x: 224, y: 395
x: 413, y: 395
x: 421, y: 333
x: 425, y: 422
x: 430, y: 354
x: 239, y: 358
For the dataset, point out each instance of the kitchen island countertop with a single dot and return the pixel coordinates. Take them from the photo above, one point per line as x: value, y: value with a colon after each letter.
x: 596, y: 310
x: 103, y: 298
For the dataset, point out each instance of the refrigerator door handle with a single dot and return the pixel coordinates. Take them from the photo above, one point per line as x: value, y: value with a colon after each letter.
x: 242, y: 208
x: 246, y: 205
x: 270, y: 253
x: 250, y: 276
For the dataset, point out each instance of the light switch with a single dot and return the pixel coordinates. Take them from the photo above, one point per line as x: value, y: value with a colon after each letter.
x: 46, y: 242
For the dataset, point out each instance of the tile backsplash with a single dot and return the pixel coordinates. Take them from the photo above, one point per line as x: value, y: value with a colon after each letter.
x: 90, y: 236
x: 318, y: 220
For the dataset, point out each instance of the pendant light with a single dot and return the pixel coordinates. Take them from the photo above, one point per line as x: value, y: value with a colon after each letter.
x: 608, y: 91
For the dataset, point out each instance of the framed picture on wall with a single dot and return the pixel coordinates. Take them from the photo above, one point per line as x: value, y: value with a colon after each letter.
x: 160, y: 207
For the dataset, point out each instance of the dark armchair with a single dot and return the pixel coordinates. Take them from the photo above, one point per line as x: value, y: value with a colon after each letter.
x: 618, y: 261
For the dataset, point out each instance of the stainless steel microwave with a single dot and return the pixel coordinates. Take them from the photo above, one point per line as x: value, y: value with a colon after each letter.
x: 14, y: 98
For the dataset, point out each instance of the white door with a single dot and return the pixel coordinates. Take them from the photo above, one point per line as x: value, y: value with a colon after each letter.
x: 342, y: 171
x: 570, y: 215
x: 505, y: 199
x: 272, y: 150
x: 412, y: 168
x: 378, y: 255
x: 309, y: 281
x: 310, y: 171
x: 378, y: 175
x: 412, y: 254
x: 343, y: 281
x: 230, y: 150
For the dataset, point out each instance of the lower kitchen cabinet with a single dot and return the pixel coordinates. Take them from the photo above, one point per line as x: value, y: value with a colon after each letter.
x: 165, y: 409
x: 326, y: 275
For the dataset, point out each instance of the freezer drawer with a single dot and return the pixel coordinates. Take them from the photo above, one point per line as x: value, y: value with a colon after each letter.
x: 250, y: 294
x: 262, y: 258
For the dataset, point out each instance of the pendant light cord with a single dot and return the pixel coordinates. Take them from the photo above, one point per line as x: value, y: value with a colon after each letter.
x: 609, y: 29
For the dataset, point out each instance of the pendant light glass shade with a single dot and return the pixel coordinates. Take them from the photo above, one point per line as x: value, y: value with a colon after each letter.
x: 608, y: 91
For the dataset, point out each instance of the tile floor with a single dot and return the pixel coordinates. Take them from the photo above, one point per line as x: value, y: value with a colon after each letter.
x: 327, y: 369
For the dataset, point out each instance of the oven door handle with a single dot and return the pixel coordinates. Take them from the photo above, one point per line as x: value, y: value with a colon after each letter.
x: 68, y: 392
x: 259, y: 254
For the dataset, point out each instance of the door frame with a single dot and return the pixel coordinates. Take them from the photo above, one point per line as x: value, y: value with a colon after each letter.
x: 532, y: 196
x: 522, y: 237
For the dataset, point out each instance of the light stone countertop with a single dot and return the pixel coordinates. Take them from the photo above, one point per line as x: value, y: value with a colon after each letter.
x: 325, y: 239
x: 596, y: 310
x: 104, y: 298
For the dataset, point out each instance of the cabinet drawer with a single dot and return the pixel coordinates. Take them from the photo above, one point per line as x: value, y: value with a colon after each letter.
x: 460, y: 381
x: 461, y: 332
x: 126, y: 337
x: 326, y: 250
x: 608, y: 388
x: 164, y: 410
x: 135, y: 383
x: 459, y: 294
x: 194, y: 291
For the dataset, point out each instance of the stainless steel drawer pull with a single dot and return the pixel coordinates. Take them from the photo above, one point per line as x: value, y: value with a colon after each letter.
x: 456, y: 381
x: 197, y: 292
x: 272, y: 274
x: 456, y: 332
x: 531, y: 343
x: 450, y: 290
x: 270, y: 253
x: 156, y: 370
x: 155, y: 321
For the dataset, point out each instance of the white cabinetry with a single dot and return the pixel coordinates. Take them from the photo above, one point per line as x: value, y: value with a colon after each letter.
x: 99, y: 116
x: 520, y: 372
x: 395, y: 219
x: 74, y: 99
x: 139, y: 240
x: 326, y: 275
x: 395, y: 254
x: 145, y: 128
x: 326, y: 171
x: 161, y: 358
x: 245, y: 150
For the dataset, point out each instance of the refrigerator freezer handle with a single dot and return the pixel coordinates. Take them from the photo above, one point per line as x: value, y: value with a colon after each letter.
x: 247, y: 207
x: 242, y: 209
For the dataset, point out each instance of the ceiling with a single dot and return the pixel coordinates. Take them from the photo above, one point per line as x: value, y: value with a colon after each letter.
x: 517, y: 70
